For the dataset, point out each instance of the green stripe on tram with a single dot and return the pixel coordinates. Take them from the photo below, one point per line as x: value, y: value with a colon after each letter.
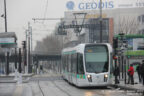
x: 69, y: 52
x: 80, y: 76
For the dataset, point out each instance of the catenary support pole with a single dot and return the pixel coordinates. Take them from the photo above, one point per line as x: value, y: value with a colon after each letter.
x: 101, y: 21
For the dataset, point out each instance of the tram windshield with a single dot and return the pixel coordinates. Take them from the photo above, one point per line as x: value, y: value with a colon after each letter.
x: 96, y: 58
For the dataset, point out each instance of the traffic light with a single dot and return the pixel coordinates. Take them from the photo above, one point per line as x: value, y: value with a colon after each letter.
x: 115, y: 43
x: 24, y: 44
x: 115, y: 57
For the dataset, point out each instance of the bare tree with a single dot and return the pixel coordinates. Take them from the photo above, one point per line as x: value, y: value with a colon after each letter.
x: 50, y: 45
x: 128, y: 25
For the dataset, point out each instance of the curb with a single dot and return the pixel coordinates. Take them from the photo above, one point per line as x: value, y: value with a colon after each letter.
x: 8, y: 81
x: 127, y: 88
x: 11, y: 76
x: 15, y: 81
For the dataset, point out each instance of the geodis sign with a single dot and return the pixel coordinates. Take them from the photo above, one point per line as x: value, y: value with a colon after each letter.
x: 106, y: 4
x: 89, y: 5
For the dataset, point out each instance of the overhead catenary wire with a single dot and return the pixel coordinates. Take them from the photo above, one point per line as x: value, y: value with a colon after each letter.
x: 45, y: 10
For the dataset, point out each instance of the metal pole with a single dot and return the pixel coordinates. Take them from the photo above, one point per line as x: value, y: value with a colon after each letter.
x: 7, y: 63
x: 115, y: 67
x: 5, y: 16
x: 125, y: 69
x: 7, y: 58
x: 29, y: 29
x: 27, y: 64
x: 31, y: 48
x: 25, y: 57
x: 100, y: 21
x: 15, y: 58
x: 20, y: 60
x: 31, y: 39
x: 122, y: 66
x: 29, y: 54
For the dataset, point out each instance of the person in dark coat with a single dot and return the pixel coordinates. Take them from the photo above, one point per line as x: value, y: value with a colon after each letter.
x: 138, y: 69
x: 131, y: 73
x: 116, y: 74
x: 142, y: 71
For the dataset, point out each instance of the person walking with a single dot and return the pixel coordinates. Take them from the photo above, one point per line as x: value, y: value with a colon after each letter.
x: 142, y: 71
x: 131, y: 73
x: 138, y: 69
x: 41, y: 69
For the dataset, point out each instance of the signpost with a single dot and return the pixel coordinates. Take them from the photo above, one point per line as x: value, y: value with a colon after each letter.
x: 7, y: 42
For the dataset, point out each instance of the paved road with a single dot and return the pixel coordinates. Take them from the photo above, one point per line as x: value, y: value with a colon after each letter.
x: 56, y: 86
x: 7, y: 89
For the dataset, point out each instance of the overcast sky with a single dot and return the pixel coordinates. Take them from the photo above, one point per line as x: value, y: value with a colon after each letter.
x: 20, y: 12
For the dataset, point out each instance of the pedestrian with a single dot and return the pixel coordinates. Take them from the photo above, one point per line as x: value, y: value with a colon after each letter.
x: 116, y: 74
x: 41, y: 69
x: 138, y: 69
x: 142, y: 71
x: 131, y: 73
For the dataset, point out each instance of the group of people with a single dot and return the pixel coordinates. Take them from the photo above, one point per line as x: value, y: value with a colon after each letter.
x: 139, y: 69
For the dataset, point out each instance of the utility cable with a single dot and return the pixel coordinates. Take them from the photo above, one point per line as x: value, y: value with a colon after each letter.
x: 45, y: 10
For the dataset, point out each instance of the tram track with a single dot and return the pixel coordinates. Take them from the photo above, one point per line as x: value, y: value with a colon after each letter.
x: 57, y: 86
x: 52, y: 82
x: 40, y: 88
x: 54, y: 86
x: 64, y: 91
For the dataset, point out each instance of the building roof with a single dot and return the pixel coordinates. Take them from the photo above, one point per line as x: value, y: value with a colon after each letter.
x: 8, y: 34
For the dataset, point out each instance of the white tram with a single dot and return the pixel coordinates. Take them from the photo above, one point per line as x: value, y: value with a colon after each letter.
x: 88, y: 65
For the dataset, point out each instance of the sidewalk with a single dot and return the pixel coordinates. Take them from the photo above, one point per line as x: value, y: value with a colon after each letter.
x: 139, y: 87
x: 11, y: 78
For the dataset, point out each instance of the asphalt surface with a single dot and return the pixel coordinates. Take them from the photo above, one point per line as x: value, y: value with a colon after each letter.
x: 54, y: 85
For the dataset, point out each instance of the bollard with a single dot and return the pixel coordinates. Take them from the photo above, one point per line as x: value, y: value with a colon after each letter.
x: 19, y: 79
x: 16, y: 75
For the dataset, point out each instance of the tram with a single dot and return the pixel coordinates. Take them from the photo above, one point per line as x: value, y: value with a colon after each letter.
x: 88, y: 65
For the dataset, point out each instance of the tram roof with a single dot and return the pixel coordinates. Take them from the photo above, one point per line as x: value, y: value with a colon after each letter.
x: 79, y: 48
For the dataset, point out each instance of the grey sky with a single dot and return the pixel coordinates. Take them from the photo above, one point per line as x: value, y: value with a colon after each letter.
x: 20, y: 12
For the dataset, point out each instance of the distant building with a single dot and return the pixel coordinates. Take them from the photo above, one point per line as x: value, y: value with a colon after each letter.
x: 118, y: 20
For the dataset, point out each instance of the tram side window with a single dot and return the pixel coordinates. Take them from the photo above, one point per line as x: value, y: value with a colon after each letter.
x: 63, y: 62
x: 74, y: 61
x: 80, y: 64
x: 69, y: 63
x: 72, y: 66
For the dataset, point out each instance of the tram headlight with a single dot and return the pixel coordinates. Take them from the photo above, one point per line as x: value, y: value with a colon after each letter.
x: 89, y: 77
x: 105, y: 77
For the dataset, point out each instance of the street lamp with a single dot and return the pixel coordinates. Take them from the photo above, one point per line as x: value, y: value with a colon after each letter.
x: 79, y: 26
